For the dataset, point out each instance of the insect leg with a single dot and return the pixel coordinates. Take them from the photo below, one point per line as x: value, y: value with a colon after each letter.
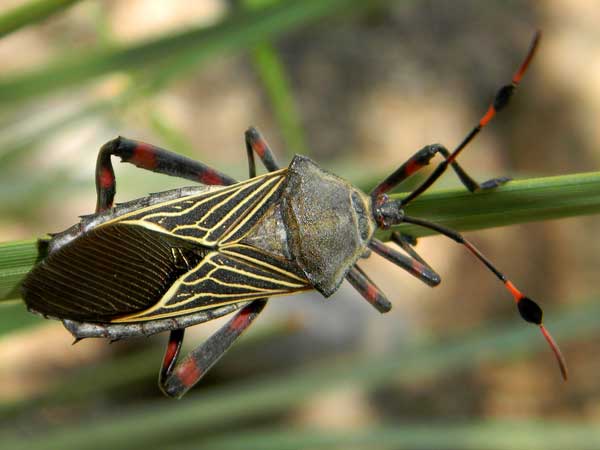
x: 176, y: 380
x: 256, y: 143
x: 149, y: 157
x: 501, y: 99
x: 420, y: 160
x: 370, y: 292
x: 412, y: 265
x: 171, y: 354
x: 407, y: 244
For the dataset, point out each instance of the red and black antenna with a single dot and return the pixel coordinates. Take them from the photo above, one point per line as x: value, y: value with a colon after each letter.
x: 529, y: 310
x: 390, y: 212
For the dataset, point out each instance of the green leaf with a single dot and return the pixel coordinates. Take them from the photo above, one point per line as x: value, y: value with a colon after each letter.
x: 519, y: 201
x: 16, y: 259
x: 30, y: 13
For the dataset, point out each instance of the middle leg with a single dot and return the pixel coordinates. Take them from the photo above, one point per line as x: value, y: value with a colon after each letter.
x: 255, y: 143
x: 412, y: 265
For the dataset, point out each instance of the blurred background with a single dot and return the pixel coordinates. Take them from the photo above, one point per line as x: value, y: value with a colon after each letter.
x: 359, y: 87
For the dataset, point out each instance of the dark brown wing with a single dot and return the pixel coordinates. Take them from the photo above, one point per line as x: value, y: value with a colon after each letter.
x: 109, y: 272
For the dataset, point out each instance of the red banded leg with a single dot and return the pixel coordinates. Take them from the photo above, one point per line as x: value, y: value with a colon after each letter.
x: 171, y: 354
x: 422, y: 157
x: 413, y: 266
x: 255, y: 143
x: 370, y: 292
x: 407, y: 244
x: 156, y: 159
x: 177, y: 379
x: 149, y: 157
x: 501, y: 100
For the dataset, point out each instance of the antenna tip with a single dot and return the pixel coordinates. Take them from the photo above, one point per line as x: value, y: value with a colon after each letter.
x: 557, y: 353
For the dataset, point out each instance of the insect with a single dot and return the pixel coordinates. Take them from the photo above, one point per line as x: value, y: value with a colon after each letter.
x: 185, y: 256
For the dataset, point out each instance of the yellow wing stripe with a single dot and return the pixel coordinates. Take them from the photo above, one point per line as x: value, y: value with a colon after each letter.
x: 195, y: 200
x: 251, y: 213
x: 248, y: 199
x: 165, y: 315
x: 227, y: 251
x: 265, y: 187
x: 212, y: 290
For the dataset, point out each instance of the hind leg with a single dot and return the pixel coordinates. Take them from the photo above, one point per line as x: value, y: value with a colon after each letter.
x: 177, y: 378
x: 148, y: 157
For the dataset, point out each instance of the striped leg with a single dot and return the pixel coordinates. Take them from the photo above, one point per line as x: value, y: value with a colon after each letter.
x: 412, y: 265
x: 422, y: 157
x: 500, y: 102
x: 370, y: 292
x: 256, y: 143
x: 407, y: 244
x: 420, y: 160
x: 149, y: 157
x: 176, y: 380
x: 171, y: 354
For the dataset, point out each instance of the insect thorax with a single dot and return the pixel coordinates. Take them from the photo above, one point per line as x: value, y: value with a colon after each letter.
x: 328, y: 221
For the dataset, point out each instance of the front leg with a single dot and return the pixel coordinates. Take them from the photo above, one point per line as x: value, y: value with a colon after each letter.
x: 421, y: 159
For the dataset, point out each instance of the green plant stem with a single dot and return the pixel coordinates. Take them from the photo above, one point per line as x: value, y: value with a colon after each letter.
x: 517, y: 202
x: 520, y: 201
x: 274, y: 79
x: 16, y: 259
x: 30, y: 13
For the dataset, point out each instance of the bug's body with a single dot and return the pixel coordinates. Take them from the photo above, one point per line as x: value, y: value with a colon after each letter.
x: 182, y: 257
x: 198, y: 249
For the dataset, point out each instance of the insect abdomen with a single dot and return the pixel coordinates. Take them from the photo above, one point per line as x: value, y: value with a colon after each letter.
x: 108, y: 272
